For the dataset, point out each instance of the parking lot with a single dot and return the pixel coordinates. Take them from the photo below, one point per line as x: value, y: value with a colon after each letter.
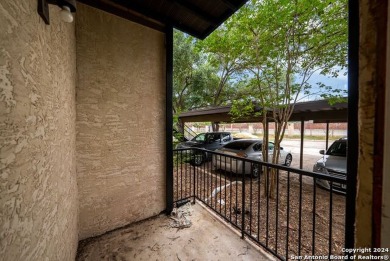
x: 311, y: 150
x: 222, y: 191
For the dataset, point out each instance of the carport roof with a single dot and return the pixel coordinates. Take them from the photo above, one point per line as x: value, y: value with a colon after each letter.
x: 195, y: 17
x: 317, y: 111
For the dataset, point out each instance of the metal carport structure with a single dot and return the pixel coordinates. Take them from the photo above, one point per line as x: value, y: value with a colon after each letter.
x: 320, y: 111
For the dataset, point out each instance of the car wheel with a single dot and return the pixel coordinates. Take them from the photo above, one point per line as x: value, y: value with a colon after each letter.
x: 256, y: 171
x: 198, y: 159
x: 288, y: 160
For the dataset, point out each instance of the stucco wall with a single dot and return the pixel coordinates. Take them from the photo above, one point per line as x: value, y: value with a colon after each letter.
x: 120, y: 121
x: 367, y: 64
x: 372, y: 50
x: 38, y: 189
x: 386, y: 159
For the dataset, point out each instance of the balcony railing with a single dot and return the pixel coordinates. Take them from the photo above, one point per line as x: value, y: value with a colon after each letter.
x: 300, y: 219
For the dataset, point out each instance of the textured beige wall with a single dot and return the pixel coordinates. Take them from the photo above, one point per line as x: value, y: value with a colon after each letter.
x: 367, y: 62
x: 120, y: 121
x: 370, y: 84
x: 385, y: 241
x: 38, y: 189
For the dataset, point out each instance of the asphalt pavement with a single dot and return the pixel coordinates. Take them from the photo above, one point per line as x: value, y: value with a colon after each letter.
x: 311, y: 150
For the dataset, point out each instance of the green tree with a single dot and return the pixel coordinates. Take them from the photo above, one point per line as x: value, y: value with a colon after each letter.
x: 223, y: 55
x: 194, y: 77
x: 283, y: 44
x: 185, y: 59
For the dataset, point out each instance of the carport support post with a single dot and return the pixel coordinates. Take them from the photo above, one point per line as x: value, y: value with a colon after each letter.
x: 169, y: 119
x: 302, y: 137
x: 327, y: 135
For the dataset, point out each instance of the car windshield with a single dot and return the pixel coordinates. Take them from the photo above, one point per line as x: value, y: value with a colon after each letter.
x: 239, y: 145
x: 200, y: 138
x: 338, y: 148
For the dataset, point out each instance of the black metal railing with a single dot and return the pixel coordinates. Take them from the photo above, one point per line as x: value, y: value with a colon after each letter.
x: 297, y: 219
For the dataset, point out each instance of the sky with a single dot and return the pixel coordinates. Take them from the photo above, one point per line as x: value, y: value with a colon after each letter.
x: 341, y: 82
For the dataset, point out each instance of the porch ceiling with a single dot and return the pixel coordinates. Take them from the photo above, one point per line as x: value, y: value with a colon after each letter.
x: 318, y: 111
x: 196, y: 17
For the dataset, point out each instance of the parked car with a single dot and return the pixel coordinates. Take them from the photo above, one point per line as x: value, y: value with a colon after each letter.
x: 334, y: 162
x: 209, y: 141
x: 249, y: 149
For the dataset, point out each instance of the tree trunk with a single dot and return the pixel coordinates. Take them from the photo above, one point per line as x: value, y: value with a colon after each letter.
x: 280, y: 128
x: 215, y: 126
x: 266, y: 170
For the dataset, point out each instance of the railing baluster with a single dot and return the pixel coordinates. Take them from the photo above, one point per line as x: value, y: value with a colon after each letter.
x: 267, y: 213
x: 181, y: 174
x: 236, y: 194
x: 330, y: 216
x: 211, y: 189
x: 243, y: 201
x: 288, y: 211
x: 277, y: 212
x: 314, y: 216
x: 250, y: 202
x: 225, y: 187
x: 209, y: 185
x: 230, y: 201
x: 300, y: 216
x: 199, y: 182
x: 177, y: 175
x: 206, y: 186
x: 188, y: 190
x: 195, y: 183
x: 213, y: 199
x: 220, y: 191
x: 259, y: 201
x: 216, y: 194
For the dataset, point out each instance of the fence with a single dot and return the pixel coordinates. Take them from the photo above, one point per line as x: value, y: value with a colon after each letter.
x: 299, y: 219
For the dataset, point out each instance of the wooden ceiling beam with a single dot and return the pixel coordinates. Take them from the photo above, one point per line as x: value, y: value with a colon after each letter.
x: 230, y: 5
x: 191, y: 8
x: 125, y: 13
x: 145, y: 13
x: 136, y: 13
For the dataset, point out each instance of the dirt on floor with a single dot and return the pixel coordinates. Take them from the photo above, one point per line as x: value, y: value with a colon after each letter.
x: 155, y: 239
x: 288, y: 224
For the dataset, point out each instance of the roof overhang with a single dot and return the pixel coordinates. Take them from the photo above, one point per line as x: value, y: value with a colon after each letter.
x: 198, y: 18
x: 317, y: 111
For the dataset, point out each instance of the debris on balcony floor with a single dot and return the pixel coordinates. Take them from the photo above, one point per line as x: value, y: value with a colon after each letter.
x: 155, y: 239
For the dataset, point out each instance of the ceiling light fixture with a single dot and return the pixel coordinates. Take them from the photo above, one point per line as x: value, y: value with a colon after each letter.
x: 66, y: 15
x: 67, y: 8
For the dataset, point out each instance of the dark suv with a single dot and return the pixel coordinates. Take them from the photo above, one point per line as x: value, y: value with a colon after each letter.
x: 334, y: 162
x: 208, y: 141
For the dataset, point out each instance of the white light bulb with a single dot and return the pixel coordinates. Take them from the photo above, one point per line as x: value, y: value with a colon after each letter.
x: 66, y: 15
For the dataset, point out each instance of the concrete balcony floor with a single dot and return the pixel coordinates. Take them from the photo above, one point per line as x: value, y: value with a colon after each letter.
x: 153, y: 239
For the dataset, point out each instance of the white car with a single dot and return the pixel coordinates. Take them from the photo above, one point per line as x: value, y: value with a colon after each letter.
x: 334, y: 163
x: 248, y: 149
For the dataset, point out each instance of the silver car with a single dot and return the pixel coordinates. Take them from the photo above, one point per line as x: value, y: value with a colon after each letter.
x: 249, y: 149
x: 334, y: 163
